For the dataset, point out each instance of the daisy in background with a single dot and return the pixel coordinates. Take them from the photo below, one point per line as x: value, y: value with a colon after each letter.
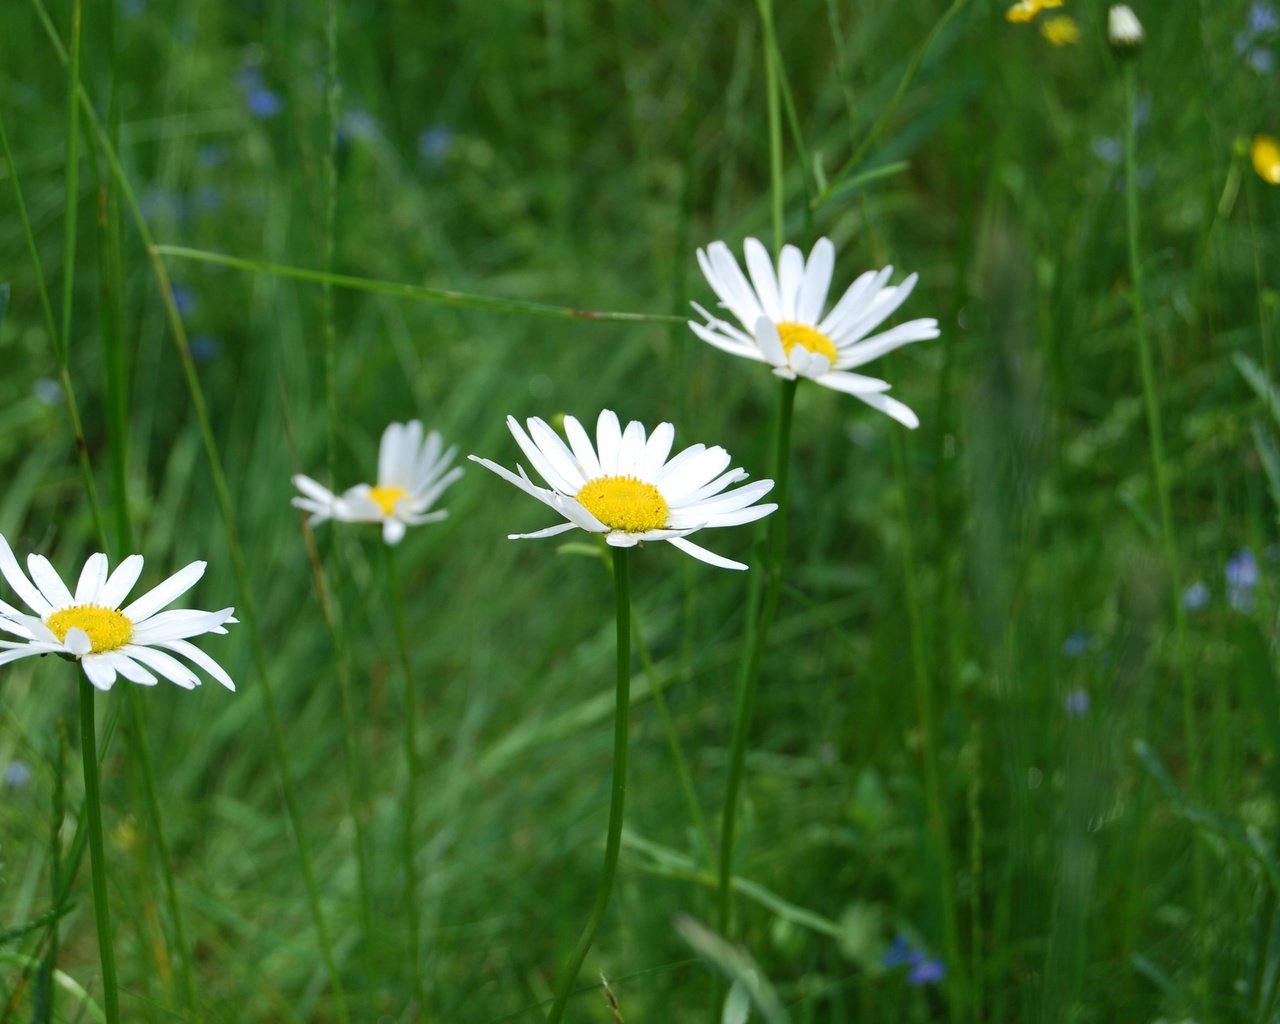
x: 412, y: 473
x: 783, y: 323
x: 90, y: 626
x: 626, y: 488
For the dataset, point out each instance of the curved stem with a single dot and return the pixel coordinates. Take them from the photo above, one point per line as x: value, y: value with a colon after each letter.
x: 97, y: 851
x: 755, y: 634
x: 613, y: 837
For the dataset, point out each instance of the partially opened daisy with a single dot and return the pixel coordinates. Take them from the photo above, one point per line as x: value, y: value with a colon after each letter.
x: 412, y: 473
x: 137, y: 641
x: 626, y: 488
x: 782, y: 321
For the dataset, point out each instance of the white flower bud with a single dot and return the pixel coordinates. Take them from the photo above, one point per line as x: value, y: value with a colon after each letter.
x: 1124, y: 30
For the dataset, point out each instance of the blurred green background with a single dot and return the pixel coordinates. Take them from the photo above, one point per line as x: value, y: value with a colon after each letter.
x: 991, y: 588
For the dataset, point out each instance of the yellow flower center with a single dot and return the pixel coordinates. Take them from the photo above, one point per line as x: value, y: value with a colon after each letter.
x: 106, y: 627
x: 807, y: 338
x: 624, y: 503
x: 1266, y: 158
x: 386, y: 497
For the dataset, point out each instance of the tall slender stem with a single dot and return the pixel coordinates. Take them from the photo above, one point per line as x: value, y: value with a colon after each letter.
x: 411, y: 783
x: 97, y: 851
x: 1160, y: 478
x: 613, y: 836
x: 772, y: 84
x: 755, y: 634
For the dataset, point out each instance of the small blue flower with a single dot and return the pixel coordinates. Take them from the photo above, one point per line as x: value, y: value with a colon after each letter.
x: 434, y: 145
x: 263, y: 103
x: 928, y: 971
x: 205, y: 348
x: 1196, y: 596
x: 184, y: 299
x: 1077, y: 643
x: 1262, y: 61
x: 211, y: 156
x: 48, y: 391
x: 1107, y: 149
x: 1242, y: 577
x: 1263, y: 18
x: 900, y: 953
x: 1076, y: 703
x: 17, y: 775
x: 359, y: 124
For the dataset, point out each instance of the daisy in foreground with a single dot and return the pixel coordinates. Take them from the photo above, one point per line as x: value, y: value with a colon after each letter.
x: 783, y: 325
x: 412, y: 474
x: 626, y: 488
x: 107, y: 640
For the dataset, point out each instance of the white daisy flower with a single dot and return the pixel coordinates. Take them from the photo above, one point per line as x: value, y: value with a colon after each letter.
x: 411, y: 476
x: 783, y: 325
x: 626, y: 488
x: 106, y: 639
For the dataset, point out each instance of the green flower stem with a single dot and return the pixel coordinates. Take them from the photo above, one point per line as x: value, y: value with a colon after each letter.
x: 412, y: 771
x: 755, y: 634
x: 1161, y: 480
x: 613, y: 837
x: 97, y: 851
x: 777, y: 181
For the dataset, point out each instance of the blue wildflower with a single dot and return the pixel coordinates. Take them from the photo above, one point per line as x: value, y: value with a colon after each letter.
x: 184, y: 298
x: 1077, y: 643
x: 434, y: 145
x: 17, y: 775
x: 1196, y: 596
x: 1076, y: 703
x: 1242, y: 578
x: 1107, y: 149
x: 900, y: 953
x: 924, y: 969
x: 48, y: 391
x: 261, y: 101
x: 928, y: 971
x: 358, y: 124
x: 205, y: 348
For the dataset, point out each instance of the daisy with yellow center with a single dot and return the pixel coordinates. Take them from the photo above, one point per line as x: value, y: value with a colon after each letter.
x: 782, y: 321
x: 626, y: 488
x: 413, y: 472
x: 137, y: 641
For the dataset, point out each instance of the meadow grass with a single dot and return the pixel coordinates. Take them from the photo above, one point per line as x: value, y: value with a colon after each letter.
x: 988, y: 727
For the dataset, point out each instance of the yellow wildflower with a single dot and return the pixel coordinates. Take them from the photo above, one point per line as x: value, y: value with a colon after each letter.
x: 1026, y: 10
x: 1266, y: 158
x: 1061, y: 31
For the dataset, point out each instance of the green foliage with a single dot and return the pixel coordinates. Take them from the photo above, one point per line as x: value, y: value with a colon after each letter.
x: 575, y: 155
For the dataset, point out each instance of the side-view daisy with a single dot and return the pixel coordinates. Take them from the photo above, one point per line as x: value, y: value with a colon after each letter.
x: 107, y: 640
x: 626, y: 488
x: 412, y: 473
x: 783, y: 325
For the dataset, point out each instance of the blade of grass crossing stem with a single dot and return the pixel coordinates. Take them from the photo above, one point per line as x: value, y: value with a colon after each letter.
x: 248, y: 605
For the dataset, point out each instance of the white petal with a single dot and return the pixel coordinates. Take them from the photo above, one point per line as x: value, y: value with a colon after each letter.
x: 92, y: 577
x: 544, y: 465
x: 694, y: 474
x: 46, y: 577
x: 22, y: 586
x: 874, y: 347
x: 120, y: 582
x: 854, y: 301
x: 621, y: 539
x: 100, y: 670
x: 128, y: 668
x: 735, y: 347
x: 703, y: 555
x: 884, y: 305
x: 760, y: 267
x: 587, y: 463
x: 550, y: 531
x: 20, y: 651
x: 166, y: 664
x: 179, y: 623
x: 77, y: 642
x: 790, y: 278
x: 558, y: 454
x: 730, y: 284
x: 193, y: 653
x: 393, y: 531
x: 170, y: 590
x: 852, y: 383
x: 389, y: 446
x: 608, y: 441
x: 311, y: 489
x: 542, y: 494
x: 891, y: 407
x: 817, y: 279
x: 631, y: 450
x: 656, y: 451
x: 770, y: 342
